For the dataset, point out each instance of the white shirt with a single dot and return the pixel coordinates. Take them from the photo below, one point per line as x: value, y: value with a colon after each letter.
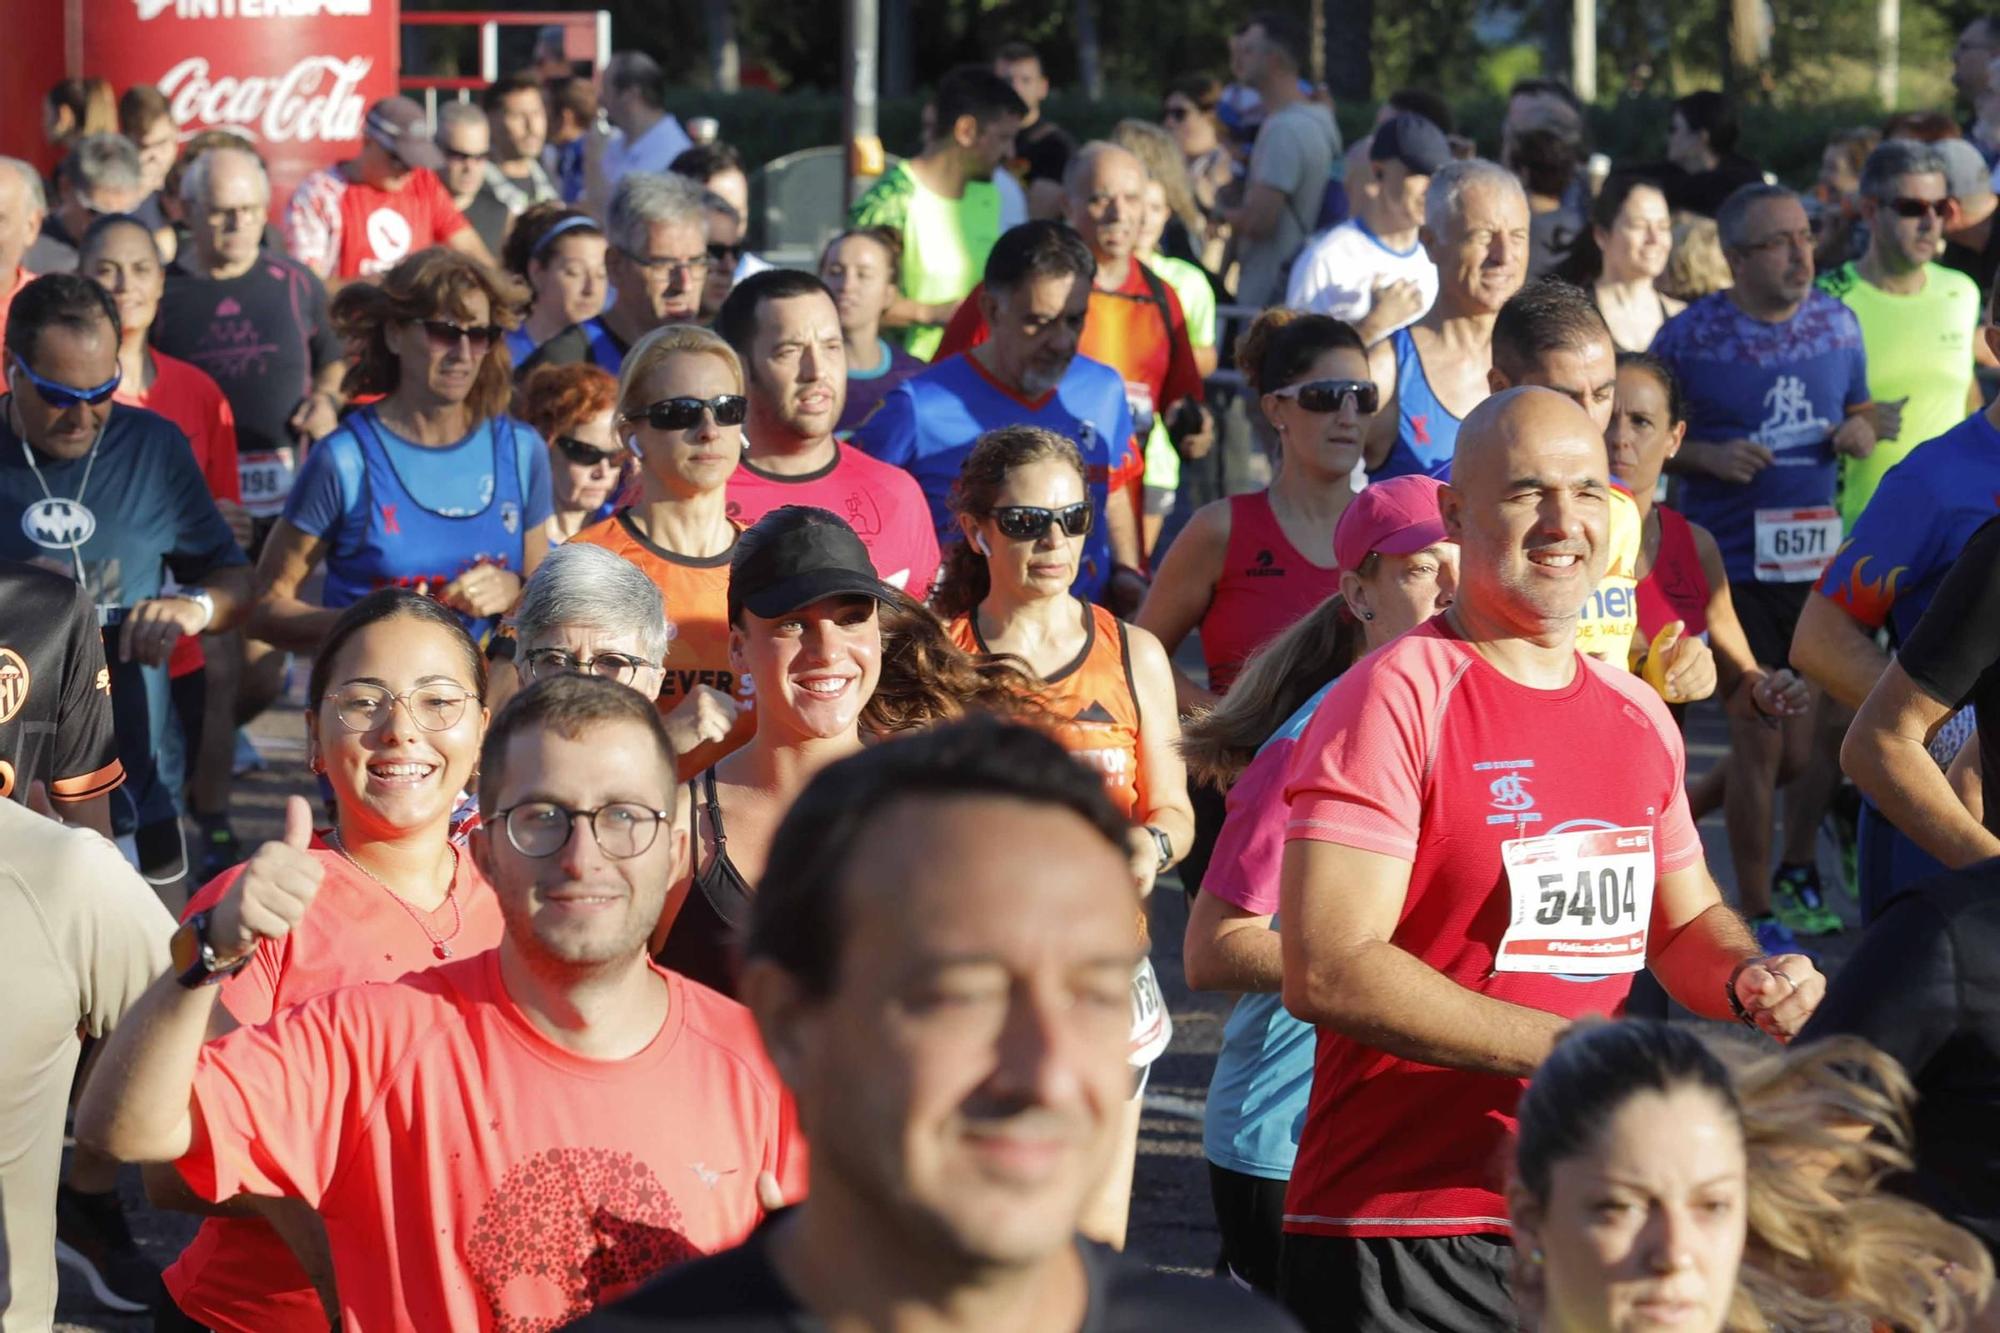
x: 652, y: 151
x: 1336, y: 274
x: 1013, y: 199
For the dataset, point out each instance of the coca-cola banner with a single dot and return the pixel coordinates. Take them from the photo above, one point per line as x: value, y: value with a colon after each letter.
x: 296, y: 76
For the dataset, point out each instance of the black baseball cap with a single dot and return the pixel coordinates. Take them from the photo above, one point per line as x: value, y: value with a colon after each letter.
x: 794, y: 556
x: 1412, y: 140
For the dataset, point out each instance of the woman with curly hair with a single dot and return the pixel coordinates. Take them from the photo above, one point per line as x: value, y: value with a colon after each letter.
x: 434, y: 487
x: 572, y: 408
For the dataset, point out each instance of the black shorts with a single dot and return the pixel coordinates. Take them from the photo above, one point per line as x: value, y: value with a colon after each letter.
x: 1210, y: 807
x: 1250, y: 1213
x: 1769, y: 613
x: 1382, y: 1284
x: 260, y: 532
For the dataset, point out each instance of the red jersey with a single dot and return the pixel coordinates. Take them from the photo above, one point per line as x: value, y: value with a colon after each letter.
x: 184, y: 394
x: 236, y: 1276
x: 881, y: 502
x: 1265, y: 586
x: 473, y: 1174
x: 1095, y: 694
x: 1676, y: 588
x: 21, y: 279
x: 696, y: 590
x: 1425, y: 752
x: 1138, y: 330
x: 341, y: 228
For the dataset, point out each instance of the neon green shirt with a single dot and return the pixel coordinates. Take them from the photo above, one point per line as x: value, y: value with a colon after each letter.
x: 1190, y: 284
x: 945, y: 242
x: 1919, y: 347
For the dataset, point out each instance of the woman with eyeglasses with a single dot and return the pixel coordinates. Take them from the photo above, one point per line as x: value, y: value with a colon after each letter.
x: 681, y: 411
x: 434, y: 487
x: 559, y: 253
x: 1246, y: 567
x: 393, y: 727
x: 1190, y: 116
x: 572, y: 407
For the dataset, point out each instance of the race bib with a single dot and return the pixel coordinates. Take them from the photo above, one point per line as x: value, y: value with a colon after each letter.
x: 1580, y: 902
x: 1152, y: 1026
x: 1794, y: 545
x: 266, y: 480
x: 1139, y: 398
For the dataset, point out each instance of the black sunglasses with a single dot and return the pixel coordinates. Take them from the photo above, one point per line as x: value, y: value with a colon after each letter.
x: 1906, y: 207
x: 586, y: 455
x: 723, y: 253
x: 1328, y: 395
x: 1029, y: 523
x: 480, y: 337
x: 1177, y: 113
x: 729, y: 409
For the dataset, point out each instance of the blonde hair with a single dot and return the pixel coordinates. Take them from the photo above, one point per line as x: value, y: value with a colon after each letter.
x: 1695, y: 266
x: 656, y: 347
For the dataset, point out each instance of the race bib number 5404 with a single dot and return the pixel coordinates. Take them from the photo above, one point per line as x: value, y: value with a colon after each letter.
x: 1580, y: 902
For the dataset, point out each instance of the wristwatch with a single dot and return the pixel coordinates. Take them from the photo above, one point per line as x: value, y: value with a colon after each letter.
x: 202, y: 598
x: 1166, y: 846
x: 194, y: 960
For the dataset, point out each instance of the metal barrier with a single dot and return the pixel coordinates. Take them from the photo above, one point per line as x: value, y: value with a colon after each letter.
x: 586, y: 33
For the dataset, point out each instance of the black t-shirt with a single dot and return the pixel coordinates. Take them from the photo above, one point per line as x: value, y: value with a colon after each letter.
x: 1954, y: 652
x: 1925, y: 987
x: 590, y: 343
x: 55, y: 696
x: 1979, y: 265
x: 739, y: 1291
x: 1701, y: 192
x: 1042, y: 152
x: 488, y: 217
x: 262, y: 336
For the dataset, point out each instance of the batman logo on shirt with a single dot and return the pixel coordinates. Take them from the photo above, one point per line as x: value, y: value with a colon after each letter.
x: 58, y: 524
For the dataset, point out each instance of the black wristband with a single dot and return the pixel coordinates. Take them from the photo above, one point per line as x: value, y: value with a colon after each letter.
x: 1729, y: 990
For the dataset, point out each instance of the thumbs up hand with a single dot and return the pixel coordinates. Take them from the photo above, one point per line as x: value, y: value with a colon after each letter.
x: 272, y: 894
x: 1681, y: 669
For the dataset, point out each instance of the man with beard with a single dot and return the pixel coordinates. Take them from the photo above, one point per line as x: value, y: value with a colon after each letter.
x: 785, y: 327
x: 1037, y: 289
x: 1489, y: 835
x: 507, y: 1138
x: 1433, y: 372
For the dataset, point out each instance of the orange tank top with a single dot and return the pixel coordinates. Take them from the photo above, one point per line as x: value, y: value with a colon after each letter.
x: 1095, y: 696
x: 696, y: 590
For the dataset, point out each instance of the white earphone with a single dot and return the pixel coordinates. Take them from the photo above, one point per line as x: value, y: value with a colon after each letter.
x: 979, y: 544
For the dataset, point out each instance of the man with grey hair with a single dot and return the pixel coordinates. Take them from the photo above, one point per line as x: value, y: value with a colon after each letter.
x: 658, y: 263
x: 1971, y: 238
x: 466, y: 140
x: 22, y: 208
x: 591, y: 610
x: 645, y: 135
x: 1917, y: 317
x: 1431, y: 373
x: 101, y: 175
x: 1775, y: 378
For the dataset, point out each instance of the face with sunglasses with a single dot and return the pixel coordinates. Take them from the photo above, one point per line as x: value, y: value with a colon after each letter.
x: 585, y: 463
x: 1032, y: 534
x: 444, y: 352
x: 684, y: 416
x: 1322, y: 415
x: 62, y: 393
x: 1910, y: 218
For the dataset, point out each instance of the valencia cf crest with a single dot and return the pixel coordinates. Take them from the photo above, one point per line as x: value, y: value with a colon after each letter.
x: 13, y: 683
x: 510, y: 517
x: 58, y: 524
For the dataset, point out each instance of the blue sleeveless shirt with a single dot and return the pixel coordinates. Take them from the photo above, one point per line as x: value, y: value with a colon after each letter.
x: 1426, y: 431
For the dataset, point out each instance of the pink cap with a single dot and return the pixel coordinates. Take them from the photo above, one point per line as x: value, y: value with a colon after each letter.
x: 1396, y: 517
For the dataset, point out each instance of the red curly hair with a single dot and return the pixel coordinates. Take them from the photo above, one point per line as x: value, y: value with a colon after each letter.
x: 555, y: 399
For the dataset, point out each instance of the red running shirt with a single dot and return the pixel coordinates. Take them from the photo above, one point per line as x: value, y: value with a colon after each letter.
x: 341, y: 228
x: 1266, y: 586
x: 881, y: 502
x: 1676, y: 588
x: 236, y: 1276
x: 1094, y: 692
x: 1423, y: 751
x: 474, y: 1175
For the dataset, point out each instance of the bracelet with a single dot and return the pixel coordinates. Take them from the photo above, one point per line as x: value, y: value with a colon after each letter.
x: 1729, y: 990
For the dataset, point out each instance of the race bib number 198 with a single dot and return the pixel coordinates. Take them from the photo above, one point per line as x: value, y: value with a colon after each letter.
x: 1580, y: 902
x: 266, y: 479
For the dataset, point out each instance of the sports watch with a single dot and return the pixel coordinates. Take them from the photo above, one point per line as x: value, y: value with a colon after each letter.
x: 1166, y: 847
x: 202, y: 598
x: 194, y: 959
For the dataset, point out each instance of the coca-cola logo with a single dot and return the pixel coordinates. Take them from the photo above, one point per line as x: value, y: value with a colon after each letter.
x: 317, y: 99
x: 251, y: 9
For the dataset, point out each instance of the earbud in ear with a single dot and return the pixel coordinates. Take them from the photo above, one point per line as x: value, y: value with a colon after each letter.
x: 979, y: 544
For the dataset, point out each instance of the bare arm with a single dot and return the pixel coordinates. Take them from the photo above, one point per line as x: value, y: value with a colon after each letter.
x: 1968, y: 777
x: 1182, y: 589
x: 1121, y: 530
x: 1835, y: 652
x: 1700, y: 949
x: 1340, y: 907
x: 1206, y: 359
x: 1885, y: 754
x: 1229, y: 949
x: 466, y: 241
x: 903, y: 312
x: 1258, y: 217
x: 1163, y: 786
x: 281, y: 617
x: 1733, y: 658
x: 1381, y: 433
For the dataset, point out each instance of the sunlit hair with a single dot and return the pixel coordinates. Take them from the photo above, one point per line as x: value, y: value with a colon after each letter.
x: 659, y: 346
x: 436, y: 283
x: 927, y: 679
x: 1281, y: 345
x: 92, y: 106
x: 1695, y: 266
x: 1154, y: 146
x: 889, y: 238
x: 534, y: 238
x: 584, y: 586
x: 966, y: 579
x: 555, y: 400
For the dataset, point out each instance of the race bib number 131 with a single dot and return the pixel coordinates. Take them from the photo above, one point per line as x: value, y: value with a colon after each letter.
x: 1580, y: 902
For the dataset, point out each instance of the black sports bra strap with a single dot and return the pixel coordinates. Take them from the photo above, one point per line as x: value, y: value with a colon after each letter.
x: 714, y: 806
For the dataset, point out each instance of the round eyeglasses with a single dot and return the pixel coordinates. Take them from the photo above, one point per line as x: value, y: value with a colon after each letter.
x: 542, y: 828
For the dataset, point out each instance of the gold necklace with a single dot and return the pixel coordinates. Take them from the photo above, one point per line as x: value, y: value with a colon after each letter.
x: 440, y: 945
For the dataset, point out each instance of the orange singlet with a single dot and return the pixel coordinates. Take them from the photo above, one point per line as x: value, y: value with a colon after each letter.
x: 1094, y: 692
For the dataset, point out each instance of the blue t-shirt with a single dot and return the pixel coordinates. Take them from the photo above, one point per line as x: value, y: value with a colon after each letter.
x: 393, y: 512
x: 929, y: 423
x: 1263, y: 1076
x: 1916, y: 524
x: 1786, y: 386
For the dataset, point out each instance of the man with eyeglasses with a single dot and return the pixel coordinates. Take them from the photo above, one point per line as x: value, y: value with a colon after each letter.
x: 357, y: 219
x: 658, y: 263
x: 507, y: 1139
x: 465, y: 138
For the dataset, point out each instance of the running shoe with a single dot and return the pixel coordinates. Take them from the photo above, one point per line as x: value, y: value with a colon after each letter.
x: 1775, y: 937
x: 1797, y: 898
x: 94, y: 1241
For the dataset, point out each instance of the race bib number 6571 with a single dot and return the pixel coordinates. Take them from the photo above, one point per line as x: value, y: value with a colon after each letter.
x: 1580, y: 902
